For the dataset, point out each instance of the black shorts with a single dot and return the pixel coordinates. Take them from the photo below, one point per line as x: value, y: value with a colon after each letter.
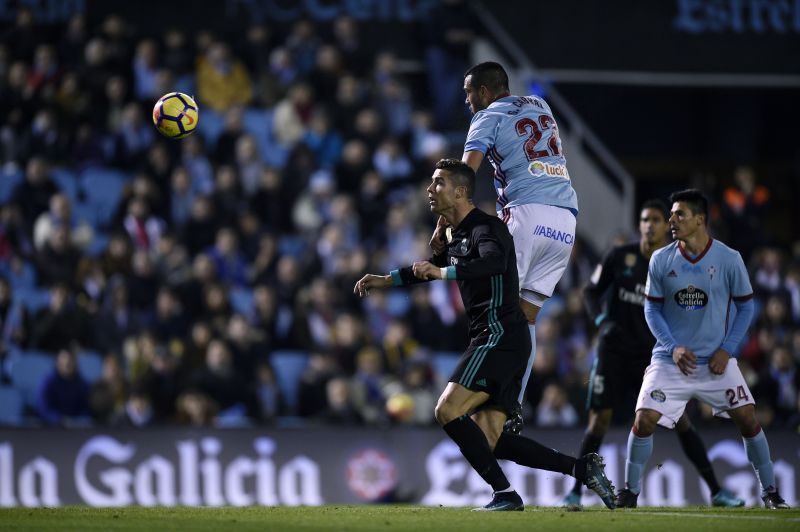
x: 616, y: 378
x: 495, y: 364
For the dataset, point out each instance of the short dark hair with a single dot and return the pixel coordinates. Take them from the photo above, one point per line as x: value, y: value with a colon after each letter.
x: 694, y: 199
x: 490, y: 74
x: 461, y: 174
x: 658, y: 205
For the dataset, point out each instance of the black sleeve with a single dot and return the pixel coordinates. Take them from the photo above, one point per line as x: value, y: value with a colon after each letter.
x: 593, y: 293
x: 492, y: 251
x: 407, y: 273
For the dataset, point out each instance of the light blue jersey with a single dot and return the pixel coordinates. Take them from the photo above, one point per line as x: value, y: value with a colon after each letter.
x: 519, y: 136
x: 696, y: 295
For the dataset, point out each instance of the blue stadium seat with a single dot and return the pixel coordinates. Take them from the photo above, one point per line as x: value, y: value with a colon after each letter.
x: 11, y: 406
x: 241, y: 300
x: 90, y: 366
x: 28, y: 372
x: 258, y: 122
x: 8, y: 182
x: 34, y: 299
x: 23, y: 278
x: 98, y: 244
x: 289, y: 366
x: 210, y: 126
x: 444, y: 363
x: 102, y: 189
x: 84, y: 212
x: 67, y: 182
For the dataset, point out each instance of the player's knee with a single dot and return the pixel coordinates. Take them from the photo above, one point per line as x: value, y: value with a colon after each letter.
x: 492, y: 436
x: 745, y: 419
x: 683, y: 424
x: 644, y: 425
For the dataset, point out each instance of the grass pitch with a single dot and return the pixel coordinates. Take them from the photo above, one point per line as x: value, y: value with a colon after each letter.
x: 396, y: 518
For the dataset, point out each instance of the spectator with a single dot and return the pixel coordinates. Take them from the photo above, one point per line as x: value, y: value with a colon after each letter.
x: 779, y: 385
x: 339, y: 409
x: 220, y: 381
x: 62, y: 324
x: 222, y: 79
x: 554, y: 410
x: 138, y: 410
x: 745, y: 204
x: 115, y: 321
x: 60, y: 214
x: 370, y: 386
x: 58, y: 260
x: 64, y: 395
x: 196, y: 409
x: 32, y: 196
x: 14, y: 321
x: 142, y: 227
x: 107, y: 396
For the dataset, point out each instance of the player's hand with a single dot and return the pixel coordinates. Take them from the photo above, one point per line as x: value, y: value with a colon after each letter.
x: 369, y: 281
x: 426, y: 271
x: 719, y: 361
x: 438, y: 241
x: 685, y: 359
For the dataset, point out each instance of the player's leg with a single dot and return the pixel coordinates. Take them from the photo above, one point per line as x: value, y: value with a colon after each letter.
x: 640, y: 448
x: 452, y: 410
x: 757, y: 449
x: 588, y: 469
x: 605, y: 387
x: 730, y: 394
x: 541, y: 261
x: 695, y: 451
x: 599, y: 421
x: 531, y: 311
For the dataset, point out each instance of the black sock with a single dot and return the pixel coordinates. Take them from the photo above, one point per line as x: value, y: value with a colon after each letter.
x: 472, y: 442
x: 696, y: 452
x: 530, y: 453
x: 590, y: 444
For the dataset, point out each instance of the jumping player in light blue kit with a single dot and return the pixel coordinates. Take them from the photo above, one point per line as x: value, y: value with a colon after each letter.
x: 535, y: 197
x: 690, y: 286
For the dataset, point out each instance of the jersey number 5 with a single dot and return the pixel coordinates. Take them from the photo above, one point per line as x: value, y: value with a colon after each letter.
x: 528, y: 127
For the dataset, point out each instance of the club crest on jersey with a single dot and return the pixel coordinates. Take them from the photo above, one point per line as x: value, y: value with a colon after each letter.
x: 672, y: 274
x: 539, y: 168
x: 711, y: 271
x: 462, y: 247
x: 691, y: 298
x: 630, y: 260
x: 658, y: 396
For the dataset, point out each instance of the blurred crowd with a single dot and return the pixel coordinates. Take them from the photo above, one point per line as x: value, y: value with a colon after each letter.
x: 199, y: 270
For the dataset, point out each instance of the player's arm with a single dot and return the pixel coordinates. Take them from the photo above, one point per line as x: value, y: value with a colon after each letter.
x: 473, y: 159
x: 599, y: 283
x: 739, y: 283
x: 480, y: 137
x: 492, y: 253
x: 419, y: 272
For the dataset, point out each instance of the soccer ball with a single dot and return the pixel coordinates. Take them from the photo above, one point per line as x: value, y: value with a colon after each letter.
x: 175, y: 115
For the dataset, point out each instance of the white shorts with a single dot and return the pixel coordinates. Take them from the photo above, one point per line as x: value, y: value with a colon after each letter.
x: 543, y: 238
x: 666, y: 390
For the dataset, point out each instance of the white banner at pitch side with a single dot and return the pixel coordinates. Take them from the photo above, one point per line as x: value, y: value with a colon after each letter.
x: 169, y: 467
